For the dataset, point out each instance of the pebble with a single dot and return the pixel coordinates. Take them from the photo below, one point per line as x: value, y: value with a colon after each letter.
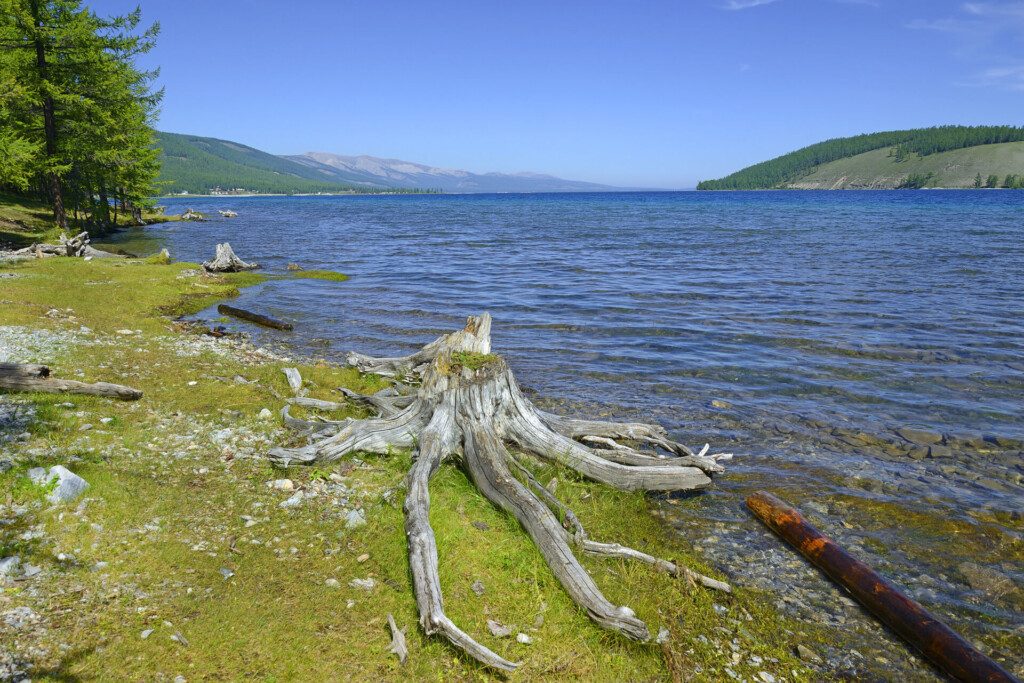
x: 282, y: 484
x: 293, y: 502
x: 20, y: 617
x: 498, y: 630
x: 146, y: 634
x: 919, y: 436
x: 524, y: 639
x: 10, y: 566
x: 332, y: 583
x: 807, y: 654
x: 266, y: 414
x: 367, y: 584
x: 363, y: 558
x: 226, y: 573
x: 355, y: 518
x: 477, y: 587
x: 106, y: 420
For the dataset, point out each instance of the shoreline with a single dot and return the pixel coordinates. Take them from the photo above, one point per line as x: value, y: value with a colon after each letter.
x: 200, y: 429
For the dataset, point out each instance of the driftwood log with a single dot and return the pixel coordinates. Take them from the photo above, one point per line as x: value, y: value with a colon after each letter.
x: 937, y: 642
x: 77, y: 246
x: 20, y: 377
x: 225, y: 261
x: 469, y: 407
x: 258, y: 318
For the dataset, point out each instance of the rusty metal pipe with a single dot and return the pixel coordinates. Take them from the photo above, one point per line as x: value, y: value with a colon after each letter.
x: 937, y: 642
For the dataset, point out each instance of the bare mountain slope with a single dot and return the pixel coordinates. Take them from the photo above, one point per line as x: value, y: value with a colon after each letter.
x: 367, y: 170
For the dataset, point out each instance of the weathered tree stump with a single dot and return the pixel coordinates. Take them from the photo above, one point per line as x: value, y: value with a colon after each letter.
x: 468, y: 406
x: 77, y: 246
x: 225, y: 261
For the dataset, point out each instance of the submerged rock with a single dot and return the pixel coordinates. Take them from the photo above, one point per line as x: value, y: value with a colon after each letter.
x: 919, y: 436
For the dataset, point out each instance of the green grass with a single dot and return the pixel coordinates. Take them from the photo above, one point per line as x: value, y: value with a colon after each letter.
x: 472, y: 361
x: 24, y: 222
x: 956, y: 168
x: 275, y: 619
x: 328, y: 275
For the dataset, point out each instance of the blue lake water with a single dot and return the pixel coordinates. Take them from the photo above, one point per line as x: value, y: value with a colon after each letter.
x: 818, y: 323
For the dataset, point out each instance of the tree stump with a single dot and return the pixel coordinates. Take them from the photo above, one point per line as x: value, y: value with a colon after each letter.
x: 468, y: 407
x: 225, y: 261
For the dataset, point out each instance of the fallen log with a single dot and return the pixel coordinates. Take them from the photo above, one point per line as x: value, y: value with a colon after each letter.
x: 24, y: 370
x: 257, y: 318
x: 945, y: 648
x: 18, y: 377
x: 469, y: 409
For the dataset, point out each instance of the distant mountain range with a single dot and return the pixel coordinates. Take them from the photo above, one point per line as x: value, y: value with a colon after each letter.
x: 944, y: 156
x: 200, y: 165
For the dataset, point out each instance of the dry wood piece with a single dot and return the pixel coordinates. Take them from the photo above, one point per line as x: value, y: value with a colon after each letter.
x: 397, y: 646
x: 257, y: 318
x: 936, y: 641
x: 17, y: 377
x: 469, y: 406
x: 225, y: 261
x: 77, y: 246
x: 294, y: 379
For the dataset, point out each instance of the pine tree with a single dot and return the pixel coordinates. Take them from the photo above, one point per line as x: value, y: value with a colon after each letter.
x: 977, y: 181
x: 992, y: 181
x: 83, y: 108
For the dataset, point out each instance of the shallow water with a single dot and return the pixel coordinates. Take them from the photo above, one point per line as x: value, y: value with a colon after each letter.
x: 823, y: 321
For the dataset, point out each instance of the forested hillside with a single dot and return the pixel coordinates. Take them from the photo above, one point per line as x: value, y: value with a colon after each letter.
x: 901, y: 145
x: 198, y: 165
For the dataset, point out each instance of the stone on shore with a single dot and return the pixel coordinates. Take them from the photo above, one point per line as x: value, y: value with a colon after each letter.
x: 69, y: 485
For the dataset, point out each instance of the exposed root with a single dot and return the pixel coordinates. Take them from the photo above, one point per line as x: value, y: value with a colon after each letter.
x: 468, y: 402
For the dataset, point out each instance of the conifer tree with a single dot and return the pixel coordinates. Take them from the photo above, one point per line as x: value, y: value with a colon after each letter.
x: 79, y: 118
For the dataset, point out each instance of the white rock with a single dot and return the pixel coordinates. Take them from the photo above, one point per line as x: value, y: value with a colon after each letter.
x: 766, y: 677
x: 146, y: 634
x: 498, y: 630
x: 524, y: 639
x: 332, y: 583
x: 355, y: 518
x: 10, y: 566
x: 69, y: 485
x: 367, y: 584
x: 106, y: 420
x: 20, y: 617
x: 283, y: 485
x: 265, y: 414
x: 293, y: 502
x: 125, y: 332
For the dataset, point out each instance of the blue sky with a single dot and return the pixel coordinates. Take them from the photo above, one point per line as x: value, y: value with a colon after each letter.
x: 644, y: 93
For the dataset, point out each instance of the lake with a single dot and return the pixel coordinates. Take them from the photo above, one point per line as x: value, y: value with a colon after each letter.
x: 860, y: 352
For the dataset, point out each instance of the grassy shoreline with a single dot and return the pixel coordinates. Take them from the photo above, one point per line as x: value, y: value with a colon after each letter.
x: 180, y: 527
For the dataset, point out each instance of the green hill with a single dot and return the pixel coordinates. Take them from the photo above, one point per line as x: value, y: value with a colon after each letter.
x: 956, y: 168
x: 197, y: 165
x: 946, y: 156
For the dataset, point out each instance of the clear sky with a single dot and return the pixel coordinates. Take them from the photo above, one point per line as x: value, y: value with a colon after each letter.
x: 634, y: 93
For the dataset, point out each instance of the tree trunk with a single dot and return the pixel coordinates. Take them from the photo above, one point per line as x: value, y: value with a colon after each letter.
x: 469, y: 407
x: 17, y: 377
x: 49, y: 124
